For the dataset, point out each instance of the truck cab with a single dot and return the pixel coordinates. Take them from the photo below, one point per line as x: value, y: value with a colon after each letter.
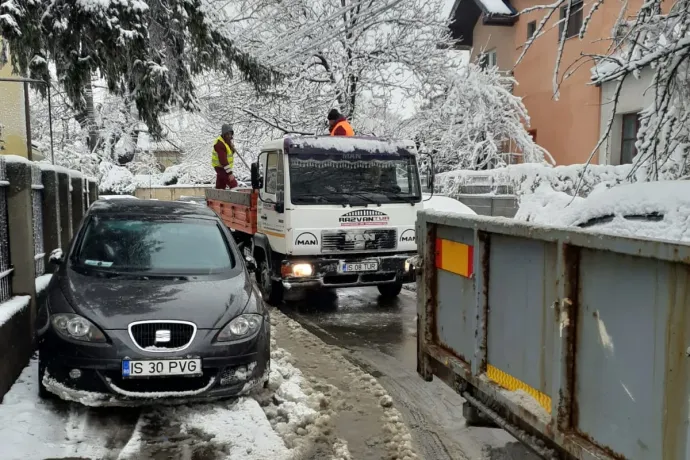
x: 335, y: 212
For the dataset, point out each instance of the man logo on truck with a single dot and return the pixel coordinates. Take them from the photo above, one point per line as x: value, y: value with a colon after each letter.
x: 363, y: 217
x: 306, y: 239
x: 408, y: 236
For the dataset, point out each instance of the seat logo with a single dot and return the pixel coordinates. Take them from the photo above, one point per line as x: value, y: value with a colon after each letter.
x: 162, y: 336
x: 306, y: 239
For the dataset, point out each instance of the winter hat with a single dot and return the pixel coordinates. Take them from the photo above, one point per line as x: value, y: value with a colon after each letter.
x: 226, y: 129
x: 334, y: 114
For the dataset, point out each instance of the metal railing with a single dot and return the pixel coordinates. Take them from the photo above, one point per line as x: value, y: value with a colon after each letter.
x: 5, y: 262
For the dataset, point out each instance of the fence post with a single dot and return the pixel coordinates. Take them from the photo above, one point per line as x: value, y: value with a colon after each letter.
x: 93, y: 191
x: 65, y: 203
x: 37, y: 214
x: 21, y: 233
x: 51, y: 213
x: 77, y: 202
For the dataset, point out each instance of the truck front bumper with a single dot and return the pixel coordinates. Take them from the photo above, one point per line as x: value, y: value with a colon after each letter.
x: 326, y: 272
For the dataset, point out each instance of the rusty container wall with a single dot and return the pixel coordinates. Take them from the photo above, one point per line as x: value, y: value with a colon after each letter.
x: 594, y: 327
x: 632, y: 370
x: 456, y: 314
x: 520, y: 337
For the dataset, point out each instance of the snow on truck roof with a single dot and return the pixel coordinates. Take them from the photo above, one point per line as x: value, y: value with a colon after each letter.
x: 328, y: 144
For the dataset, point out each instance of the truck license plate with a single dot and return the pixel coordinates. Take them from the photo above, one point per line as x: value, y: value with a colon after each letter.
x: 359, y: 267
x: 161, y: 368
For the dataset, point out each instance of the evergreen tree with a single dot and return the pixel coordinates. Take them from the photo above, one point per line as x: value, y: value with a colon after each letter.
x: 148, y: 49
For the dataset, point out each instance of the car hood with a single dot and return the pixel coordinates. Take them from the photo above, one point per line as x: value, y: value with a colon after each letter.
x: 114, y: 303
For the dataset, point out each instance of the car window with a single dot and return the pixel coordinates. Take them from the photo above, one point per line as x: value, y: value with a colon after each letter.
x: 180, y: 246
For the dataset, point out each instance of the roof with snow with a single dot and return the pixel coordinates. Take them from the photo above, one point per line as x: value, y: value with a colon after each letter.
x: 466, y: 13
x: 342, y: 144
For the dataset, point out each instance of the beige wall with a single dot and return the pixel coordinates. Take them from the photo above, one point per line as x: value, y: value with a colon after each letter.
x: 169, y: 193
x: 486, y: 38
x: 12, y: 115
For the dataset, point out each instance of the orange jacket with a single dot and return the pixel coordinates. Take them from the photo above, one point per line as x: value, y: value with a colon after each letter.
x: 342, y: 128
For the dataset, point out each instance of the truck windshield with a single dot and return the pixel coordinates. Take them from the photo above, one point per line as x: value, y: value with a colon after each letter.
x: 335, y: 178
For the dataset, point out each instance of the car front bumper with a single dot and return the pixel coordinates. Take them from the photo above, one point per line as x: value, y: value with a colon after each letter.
x: 228, y: 370
x: 392, y: 269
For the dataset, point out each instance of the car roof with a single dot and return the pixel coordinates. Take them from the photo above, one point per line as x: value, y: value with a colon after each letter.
x: 152, y: 208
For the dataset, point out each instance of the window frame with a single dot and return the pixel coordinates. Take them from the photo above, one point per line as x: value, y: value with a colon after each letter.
x: 533, y: 26
x: 632, y: 139
x: 576, y: 14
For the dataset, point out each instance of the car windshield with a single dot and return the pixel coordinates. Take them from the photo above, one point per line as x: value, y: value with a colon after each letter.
x: 183, y: 246
x: 346, y: 178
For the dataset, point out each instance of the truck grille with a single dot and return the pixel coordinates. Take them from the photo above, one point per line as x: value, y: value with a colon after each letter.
x: 152, y: 335
x: 359, y: 240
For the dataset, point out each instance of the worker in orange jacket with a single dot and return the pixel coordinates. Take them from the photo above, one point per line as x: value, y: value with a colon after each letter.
x: 339, y: 126
x: 222, y: 158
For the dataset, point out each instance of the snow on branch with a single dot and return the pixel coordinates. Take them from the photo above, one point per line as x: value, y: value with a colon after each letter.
x: 475, y: 120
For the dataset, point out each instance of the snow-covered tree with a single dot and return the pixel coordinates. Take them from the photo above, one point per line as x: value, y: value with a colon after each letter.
x: 654, y: 35
x: 472, y: 119
x: 149, y: 50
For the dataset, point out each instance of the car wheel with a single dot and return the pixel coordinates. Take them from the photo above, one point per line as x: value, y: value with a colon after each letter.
x: 271, y: 290
x: 43, y: 392
x: 390, y: 290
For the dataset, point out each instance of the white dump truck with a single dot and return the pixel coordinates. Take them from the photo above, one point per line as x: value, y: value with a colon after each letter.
x: 328, y: 212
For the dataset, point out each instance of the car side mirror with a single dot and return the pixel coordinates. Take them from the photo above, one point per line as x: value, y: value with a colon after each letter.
x: 56, y: 257
x: 251, y: 263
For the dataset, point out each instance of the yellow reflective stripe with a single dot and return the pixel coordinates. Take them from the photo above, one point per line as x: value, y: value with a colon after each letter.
x: 455, y: 257
x: 509, y: 382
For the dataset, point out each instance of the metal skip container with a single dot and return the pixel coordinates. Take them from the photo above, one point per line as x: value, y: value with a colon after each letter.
x: 574, y: 342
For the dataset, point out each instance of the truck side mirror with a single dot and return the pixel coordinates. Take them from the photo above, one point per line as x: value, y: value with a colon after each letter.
x: 256, y: 179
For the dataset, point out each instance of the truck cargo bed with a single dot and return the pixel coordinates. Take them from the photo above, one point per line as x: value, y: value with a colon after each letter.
x: 574, y: 342
x: 236, y: 208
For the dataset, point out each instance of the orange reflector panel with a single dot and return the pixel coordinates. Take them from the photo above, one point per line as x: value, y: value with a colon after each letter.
x: 455, y: 257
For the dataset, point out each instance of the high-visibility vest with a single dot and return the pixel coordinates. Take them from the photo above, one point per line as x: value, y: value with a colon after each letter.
x: 215, y: 162
x: 346, y: 126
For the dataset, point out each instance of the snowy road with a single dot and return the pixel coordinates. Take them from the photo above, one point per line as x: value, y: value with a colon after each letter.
x: 342, y: 386
x: 381, y: 338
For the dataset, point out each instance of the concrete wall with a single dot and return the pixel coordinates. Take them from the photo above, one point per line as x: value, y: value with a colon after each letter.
x: 171, y: 193
x: 39, y: 217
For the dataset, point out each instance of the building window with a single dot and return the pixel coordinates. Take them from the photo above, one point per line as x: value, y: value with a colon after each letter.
x: 533, y: 134
x: 531, y: 29
x: 631, y: 124
x: 488, y: 59
x: 575, y: 20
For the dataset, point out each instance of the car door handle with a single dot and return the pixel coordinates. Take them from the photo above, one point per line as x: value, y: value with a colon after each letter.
x: 264, y: 217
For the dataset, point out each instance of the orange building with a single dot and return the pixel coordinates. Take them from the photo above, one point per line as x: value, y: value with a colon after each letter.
x: 568, y: 127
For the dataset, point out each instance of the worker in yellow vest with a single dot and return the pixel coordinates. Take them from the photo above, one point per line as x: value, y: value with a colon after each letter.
x: 339, y: 124
x: 222, y: 158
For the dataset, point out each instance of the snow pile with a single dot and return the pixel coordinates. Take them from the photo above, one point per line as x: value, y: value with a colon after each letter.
x: 42, y: 282
x: 446, y: 204
x: 544, y: 204
x: 525, y: 178
x: 115, y: 180
x: 495, y: 7
x: 352, y: 144
x: 13, y: 306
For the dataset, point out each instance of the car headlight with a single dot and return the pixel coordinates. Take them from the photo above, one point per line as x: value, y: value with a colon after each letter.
x: 76, y: 327
x: 240, y: 327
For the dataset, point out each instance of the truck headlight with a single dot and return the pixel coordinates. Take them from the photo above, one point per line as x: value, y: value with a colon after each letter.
x: 243, y: 326
x: 301, y: 270
x: 76, y: 327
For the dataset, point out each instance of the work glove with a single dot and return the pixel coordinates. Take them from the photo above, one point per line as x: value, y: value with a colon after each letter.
x: 228, y: 169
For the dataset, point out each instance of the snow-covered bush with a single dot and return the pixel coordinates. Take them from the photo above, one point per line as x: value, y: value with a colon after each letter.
x: 115, y: 180
x: 472, y: 119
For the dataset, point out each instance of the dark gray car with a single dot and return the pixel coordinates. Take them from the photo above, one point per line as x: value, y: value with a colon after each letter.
x: 153, y: 300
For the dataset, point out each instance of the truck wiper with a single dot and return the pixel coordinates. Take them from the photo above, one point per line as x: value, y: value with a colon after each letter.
x: 328, y: 196
x: 364, y: 197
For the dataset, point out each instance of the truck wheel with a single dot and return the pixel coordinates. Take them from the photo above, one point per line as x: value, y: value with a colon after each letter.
x: 390, y: 290
x: 271, y: 290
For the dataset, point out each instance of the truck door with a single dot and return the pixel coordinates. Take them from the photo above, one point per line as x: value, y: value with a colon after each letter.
x: 270, y: 221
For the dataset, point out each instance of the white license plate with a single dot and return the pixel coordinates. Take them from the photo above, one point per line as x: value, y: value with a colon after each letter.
x: 359, y: 267
x: 161, y: 367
